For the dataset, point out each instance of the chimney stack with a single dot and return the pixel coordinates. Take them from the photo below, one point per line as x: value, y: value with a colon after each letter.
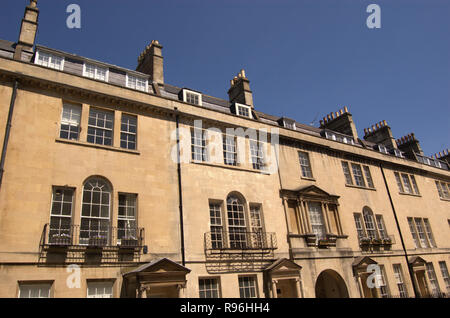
x: 239, y: 91
x: 340, y: 121
x: 380, y: 134
x: 410, y: 146
x: 151, y: 62
x: 444, y: 156
x: 24, y: 47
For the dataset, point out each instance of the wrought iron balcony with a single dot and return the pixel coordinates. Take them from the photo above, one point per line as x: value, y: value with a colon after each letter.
x: 92, y: 237
x: 240, y: 240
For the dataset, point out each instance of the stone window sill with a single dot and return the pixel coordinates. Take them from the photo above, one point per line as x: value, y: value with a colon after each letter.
x: 411, y: 194
x: 238, y: 168
x: 359, y: 187
x: 88, y: 144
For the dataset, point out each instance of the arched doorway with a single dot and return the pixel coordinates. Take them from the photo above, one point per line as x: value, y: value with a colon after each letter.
x: 330, y: 284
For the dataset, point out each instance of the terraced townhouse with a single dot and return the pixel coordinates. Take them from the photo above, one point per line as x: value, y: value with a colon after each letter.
x: 114, y: 183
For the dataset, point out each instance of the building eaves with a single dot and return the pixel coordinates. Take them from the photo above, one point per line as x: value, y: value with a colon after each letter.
x: 7, y: 45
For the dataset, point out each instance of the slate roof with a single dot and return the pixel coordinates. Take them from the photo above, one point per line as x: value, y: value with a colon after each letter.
x: 7, y: 45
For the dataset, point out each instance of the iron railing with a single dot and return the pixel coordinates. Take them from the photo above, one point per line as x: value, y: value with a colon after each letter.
x: 240, y: 240
x: 91, y: 236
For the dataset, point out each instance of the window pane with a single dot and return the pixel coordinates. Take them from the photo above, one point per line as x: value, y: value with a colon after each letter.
x: 208, y: 288
x: 357, y: 175
x: 406, y: 183
x: 34, y: 290
x: 247, y: 287
x: 368, y: 177
x: 316, y: 218
x: 346, y: 169
x: 305, y: 164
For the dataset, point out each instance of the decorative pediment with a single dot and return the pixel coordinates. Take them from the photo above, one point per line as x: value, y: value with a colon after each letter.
x: 283, y: 265
x: 161, y: 266
x: 308, y: 192
x: 363, y: 262
x: 417, y: 261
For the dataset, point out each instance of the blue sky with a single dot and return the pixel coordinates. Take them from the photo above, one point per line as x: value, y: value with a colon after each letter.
x: 304, y: 58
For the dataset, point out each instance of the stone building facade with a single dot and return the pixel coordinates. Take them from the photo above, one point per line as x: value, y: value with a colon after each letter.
x: 114, y: 183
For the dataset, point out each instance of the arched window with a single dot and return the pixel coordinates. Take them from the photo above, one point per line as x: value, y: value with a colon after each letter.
x: 236, y: 222
x: 369, y: 223
x: 95, y: 212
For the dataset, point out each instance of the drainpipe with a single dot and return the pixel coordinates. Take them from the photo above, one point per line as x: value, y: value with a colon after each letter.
x: 8, y: 130
x: 180, y: 190
x: 410, y: 270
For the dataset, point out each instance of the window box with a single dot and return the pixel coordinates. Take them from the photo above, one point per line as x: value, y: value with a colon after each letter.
x: 365, y: 241
x: 387, y: 241
x: 97, y: 241
x: 377, y: 241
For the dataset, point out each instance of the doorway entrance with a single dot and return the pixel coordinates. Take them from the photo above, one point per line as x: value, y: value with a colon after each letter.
x: 330, y: 284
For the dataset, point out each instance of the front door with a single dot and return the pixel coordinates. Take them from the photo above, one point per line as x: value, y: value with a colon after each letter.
x: 286, y: 288
x: 162, y: 292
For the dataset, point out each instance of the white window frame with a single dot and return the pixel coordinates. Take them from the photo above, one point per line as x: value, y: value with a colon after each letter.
x: 445, y: 275
x: 248, y: 287
x: 288, y: 125
x: 96, y: 69
x: 237, y: 107
x: 229, y: 149
x: 185, y: 97
x: 216, y: 290
x: 398, y: 153
x: 199, y: 145
x: 100, y: 285
x: 305, y: 164
x: 435, y: 288
x: 74, y: 111
x: 137, y: 78
x: 61, y: 231
x: 216, y: 225
x: 257, y: 154
x: 51, y: 56
x: 383, y: 149
x: 398, y: 274
x: 130, y: 229
x: 317, y: 219
x: 30, y: 285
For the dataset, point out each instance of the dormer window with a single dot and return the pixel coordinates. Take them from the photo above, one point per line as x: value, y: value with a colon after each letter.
x: 287, y: 123
x: 331, y: 136
x: 382, y: 149
x: 49, y: 60
x: 95, y: 72
x: 243, y: 110
x: 137, y: 83
x: 398, y: 153
x: 192, y: 97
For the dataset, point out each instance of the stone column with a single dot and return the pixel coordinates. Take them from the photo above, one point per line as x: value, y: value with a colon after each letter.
x: 360, y: 285
x: 180, y: 291
x: 298, y: 288
x: 274, y: 288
